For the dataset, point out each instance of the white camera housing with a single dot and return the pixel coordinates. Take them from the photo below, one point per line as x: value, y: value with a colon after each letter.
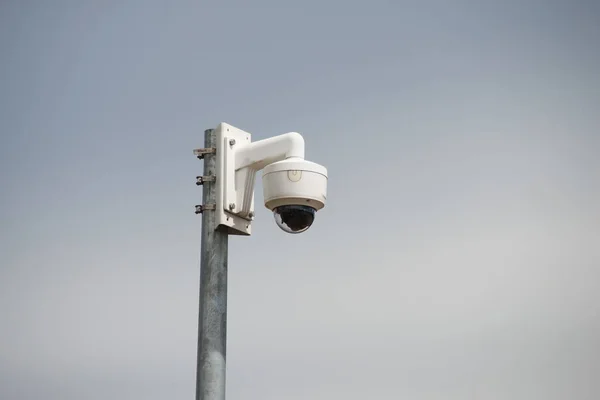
x: 290, y: 183
x: 294, y: 181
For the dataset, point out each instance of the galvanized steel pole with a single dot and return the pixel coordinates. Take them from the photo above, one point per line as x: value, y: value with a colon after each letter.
x: 212, y: 325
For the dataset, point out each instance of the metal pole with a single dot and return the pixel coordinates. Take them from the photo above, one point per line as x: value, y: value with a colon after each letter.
x: 212, y: 325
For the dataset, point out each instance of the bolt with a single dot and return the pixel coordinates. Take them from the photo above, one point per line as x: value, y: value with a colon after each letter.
x: 231, y: 206
x: 251, y: 214
x: 231, y: 142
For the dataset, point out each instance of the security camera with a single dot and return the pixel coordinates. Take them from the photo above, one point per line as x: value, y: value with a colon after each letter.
x: 293, y: 188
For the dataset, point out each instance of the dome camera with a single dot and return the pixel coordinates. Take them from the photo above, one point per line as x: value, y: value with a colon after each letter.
x: 294, y: 189
x: 294, y: 219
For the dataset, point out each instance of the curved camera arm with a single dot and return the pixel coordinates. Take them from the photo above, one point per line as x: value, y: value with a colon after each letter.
x: 251, y: 158
x: 258, y: 155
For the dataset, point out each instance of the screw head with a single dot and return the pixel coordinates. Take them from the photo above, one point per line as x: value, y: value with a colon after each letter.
x: 231, y: 142
x: 251, y: 214
x: 231, y: 206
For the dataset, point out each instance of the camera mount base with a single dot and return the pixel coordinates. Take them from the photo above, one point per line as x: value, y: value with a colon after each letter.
x: 229, y: 208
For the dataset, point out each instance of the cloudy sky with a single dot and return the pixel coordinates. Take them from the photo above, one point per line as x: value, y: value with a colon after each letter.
x: 458, y: 256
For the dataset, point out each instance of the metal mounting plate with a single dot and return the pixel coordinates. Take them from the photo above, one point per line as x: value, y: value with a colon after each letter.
x: 201, y: 179
x: 200, y: 208
x: 201, y: 152
x: 227, y: 134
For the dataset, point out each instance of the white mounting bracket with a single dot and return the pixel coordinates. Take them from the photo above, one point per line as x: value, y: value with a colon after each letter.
x: 238, y: 161
x: 233, y: 211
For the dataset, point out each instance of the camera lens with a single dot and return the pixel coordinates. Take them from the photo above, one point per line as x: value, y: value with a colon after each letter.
x: 294, y: 219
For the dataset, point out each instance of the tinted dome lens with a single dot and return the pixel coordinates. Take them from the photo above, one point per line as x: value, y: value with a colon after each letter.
x: 294, y: 219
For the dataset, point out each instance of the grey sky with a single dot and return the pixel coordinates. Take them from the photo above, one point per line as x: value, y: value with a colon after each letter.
x: 457, y: 258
